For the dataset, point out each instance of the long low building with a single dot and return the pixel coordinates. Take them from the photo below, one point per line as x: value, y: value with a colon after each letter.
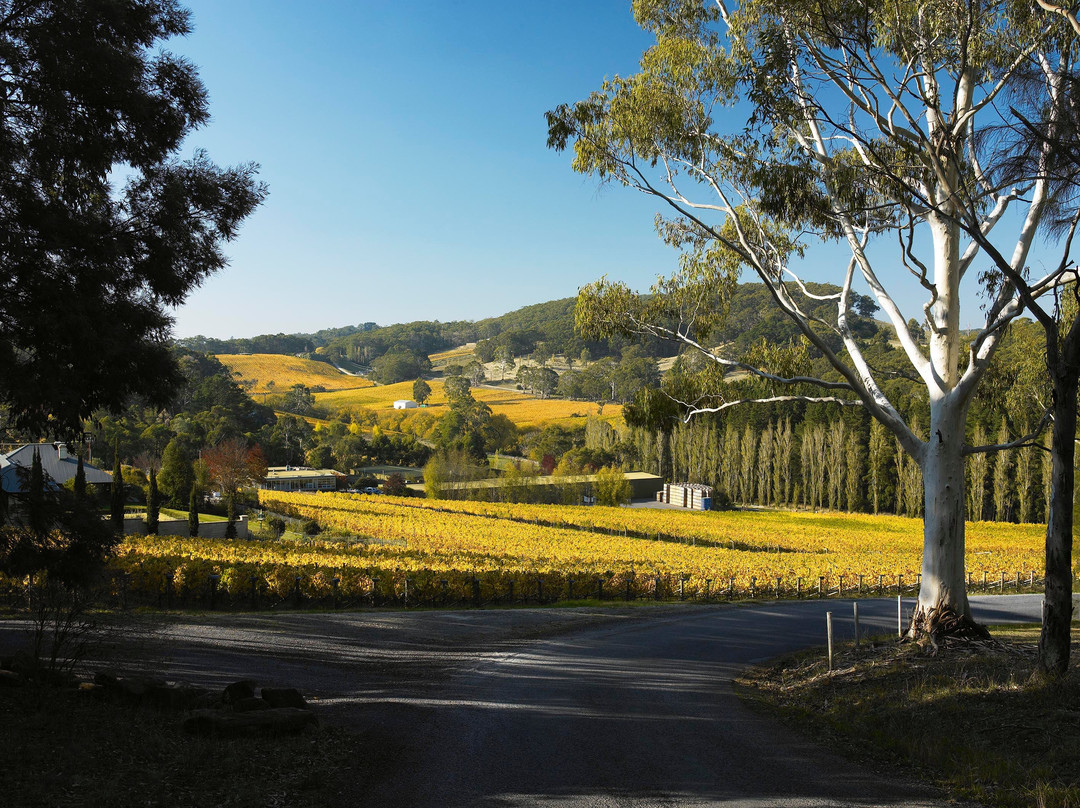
x: 299, y: 478
x: 642, y: 485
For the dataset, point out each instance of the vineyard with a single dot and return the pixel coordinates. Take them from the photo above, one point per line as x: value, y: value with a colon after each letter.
x: 413, y: 551
x: 524, y: 410
x: 276, y: 373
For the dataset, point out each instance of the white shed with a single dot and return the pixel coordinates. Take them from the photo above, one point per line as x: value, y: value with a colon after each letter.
x: 405, y: 404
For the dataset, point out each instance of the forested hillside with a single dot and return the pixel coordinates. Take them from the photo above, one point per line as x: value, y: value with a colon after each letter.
x: 271, y: 343
x: 550, y: 325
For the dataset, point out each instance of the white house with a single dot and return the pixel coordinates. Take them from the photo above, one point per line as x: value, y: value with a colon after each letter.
x: 405, y: 404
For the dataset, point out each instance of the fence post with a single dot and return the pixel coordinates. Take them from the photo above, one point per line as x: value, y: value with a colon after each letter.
x: 984, y: 577
x: 753, y: 587
x: 628, y: 581
x: 1001, y: 583
x: 821, y: 586
x: 656, y: 588
x: 510, y: 594
x: 476, y: 591
x: 254, y: 581
x: 840, y: 591
x: 1031, y: 579
x: 899, y: 616
x: 881, y: 584
x: 335, y: 583
x: 860, y: 584
x: 731, y: 587
x: 374, y: 592
x: 899, y: 585
x: 406, y: 596
x: 708, y: 583
x: 828, y: 631
x: 798, y: 587
x: 1018, y: 580
x: 778, y: 580
x: 856, y: 605
x: 682, y: 588
x: 540, y: 589
x: 214, y: 578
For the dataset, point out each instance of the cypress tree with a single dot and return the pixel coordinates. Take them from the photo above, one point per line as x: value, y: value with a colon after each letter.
x: 117, y: 493
x: 35, y: 497
x: 230, y: 528
x: 153, y: 505
x: 193, y: 511
x: 80, y: 480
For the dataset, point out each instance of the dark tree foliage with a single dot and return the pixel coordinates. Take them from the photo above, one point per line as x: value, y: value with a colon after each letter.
x: 400, y: 364
x: 88, y: 270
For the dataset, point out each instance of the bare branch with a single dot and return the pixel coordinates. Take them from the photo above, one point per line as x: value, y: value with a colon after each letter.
x: 844, y: 402
x: 1027, y: 440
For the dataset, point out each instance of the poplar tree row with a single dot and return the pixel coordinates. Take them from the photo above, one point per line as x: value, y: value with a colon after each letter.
x: 840, y: 464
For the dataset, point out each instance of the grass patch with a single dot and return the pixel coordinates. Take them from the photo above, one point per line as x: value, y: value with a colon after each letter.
x: 64, y: 749
x: 975, y: 718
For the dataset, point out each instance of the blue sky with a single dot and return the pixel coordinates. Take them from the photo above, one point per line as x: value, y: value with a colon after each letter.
x: 404, y: 148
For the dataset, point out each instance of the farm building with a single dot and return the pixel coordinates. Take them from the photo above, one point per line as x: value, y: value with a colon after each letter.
x: 297, y: 478
x: 405, y: 404
x: 695, y: 496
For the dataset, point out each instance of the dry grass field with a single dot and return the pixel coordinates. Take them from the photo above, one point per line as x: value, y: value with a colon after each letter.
x: 459, y: 355
x: 276, y: 373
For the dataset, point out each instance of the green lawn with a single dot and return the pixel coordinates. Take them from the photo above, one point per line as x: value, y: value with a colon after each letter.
x: 172, y: 514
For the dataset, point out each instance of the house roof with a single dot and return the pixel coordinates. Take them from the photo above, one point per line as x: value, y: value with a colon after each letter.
x: 296, y: 472
x: 58, y: 469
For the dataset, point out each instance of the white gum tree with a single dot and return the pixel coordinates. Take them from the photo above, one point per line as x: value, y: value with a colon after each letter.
x: 774, y: 124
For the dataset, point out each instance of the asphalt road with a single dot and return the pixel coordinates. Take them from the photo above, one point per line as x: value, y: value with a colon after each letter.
x: 605, y: 707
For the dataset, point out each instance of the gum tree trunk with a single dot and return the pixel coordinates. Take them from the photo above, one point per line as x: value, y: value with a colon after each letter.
x: 1054, y: 645
x: 943, y: 593
x: 943, y: 604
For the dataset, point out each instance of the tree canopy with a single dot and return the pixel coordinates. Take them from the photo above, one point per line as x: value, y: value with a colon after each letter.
x: 90, y: 264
